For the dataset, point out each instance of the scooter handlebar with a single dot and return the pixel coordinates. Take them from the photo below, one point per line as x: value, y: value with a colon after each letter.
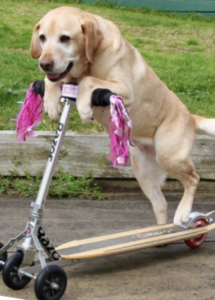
x: 101, y: 97
x: 39, y: 87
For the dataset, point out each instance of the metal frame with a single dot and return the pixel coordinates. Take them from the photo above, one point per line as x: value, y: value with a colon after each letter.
x: 35, y: 239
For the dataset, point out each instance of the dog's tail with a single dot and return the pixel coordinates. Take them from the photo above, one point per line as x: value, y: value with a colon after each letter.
x: 204, y: 126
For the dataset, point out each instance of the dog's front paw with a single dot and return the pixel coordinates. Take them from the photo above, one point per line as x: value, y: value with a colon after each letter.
x: 181, y: 216
x: 53, y: 110
x: 85, y: 112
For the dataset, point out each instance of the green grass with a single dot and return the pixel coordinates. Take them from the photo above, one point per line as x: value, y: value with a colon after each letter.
x: 179, y: 48
x: 65, y: 185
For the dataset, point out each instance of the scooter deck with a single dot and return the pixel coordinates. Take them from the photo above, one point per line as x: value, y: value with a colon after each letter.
x: 125, y: 241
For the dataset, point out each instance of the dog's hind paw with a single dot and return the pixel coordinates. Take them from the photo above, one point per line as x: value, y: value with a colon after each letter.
x: 181, y: 217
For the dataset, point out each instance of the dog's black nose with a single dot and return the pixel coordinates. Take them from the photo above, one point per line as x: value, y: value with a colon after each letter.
x: 47, y: 64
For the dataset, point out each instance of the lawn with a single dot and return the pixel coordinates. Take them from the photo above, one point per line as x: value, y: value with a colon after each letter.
x: 179, y: 48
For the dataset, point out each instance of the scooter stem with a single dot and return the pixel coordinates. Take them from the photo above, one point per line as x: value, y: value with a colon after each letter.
x: 55, y: 149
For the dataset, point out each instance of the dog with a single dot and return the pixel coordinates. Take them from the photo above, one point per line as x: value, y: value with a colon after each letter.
x: 72, y: 44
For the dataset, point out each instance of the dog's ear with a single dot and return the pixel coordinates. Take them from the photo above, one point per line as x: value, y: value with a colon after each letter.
x: 93, y: 38
x: 35, y: 43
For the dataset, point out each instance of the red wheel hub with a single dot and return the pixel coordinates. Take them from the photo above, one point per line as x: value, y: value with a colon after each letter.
x: 199, y: 240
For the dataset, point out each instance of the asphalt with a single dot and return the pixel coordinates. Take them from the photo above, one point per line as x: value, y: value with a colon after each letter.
x: 171, y: 272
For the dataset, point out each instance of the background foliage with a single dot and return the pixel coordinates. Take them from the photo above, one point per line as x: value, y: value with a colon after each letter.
x: 180, y: 49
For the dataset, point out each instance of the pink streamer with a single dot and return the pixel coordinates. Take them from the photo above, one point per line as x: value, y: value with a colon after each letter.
x: 120, y: 129
x: 30, y: 115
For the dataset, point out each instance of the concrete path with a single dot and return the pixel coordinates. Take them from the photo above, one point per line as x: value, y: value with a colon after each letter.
x: 174, y: 272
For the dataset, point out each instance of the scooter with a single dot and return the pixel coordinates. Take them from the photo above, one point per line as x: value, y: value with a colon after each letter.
x: 51, y: 280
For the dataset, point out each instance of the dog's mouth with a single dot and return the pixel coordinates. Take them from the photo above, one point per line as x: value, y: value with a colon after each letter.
x: 55, y: 77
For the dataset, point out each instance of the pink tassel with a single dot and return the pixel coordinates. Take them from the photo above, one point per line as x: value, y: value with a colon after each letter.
x: 30, y: 115
x: 120, y: 129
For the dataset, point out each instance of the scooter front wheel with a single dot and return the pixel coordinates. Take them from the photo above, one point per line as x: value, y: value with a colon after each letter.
x: 199, y: 240
x: 50, y: 283
x: 10, y: 274
x: 3, y: 257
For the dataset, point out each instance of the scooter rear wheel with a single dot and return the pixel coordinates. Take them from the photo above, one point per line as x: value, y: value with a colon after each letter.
x: 199, y: 240
x: 3, y: 257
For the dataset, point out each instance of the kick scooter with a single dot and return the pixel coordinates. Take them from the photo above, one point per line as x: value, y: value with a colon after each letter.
x: 50, y: 278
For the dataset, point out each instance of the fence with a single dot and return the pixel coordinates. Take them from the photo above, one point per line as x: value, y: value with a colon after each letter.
x: 206, y: 7
x: 83, y: 153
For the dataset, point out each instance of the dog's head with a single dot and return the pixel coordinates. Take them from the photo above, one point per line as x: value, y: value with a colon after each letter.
x: 65, y: 41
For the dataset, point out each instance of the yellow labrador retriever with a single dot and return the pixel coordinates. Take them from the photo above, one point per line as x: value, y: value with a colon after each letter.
x: 73, y: 44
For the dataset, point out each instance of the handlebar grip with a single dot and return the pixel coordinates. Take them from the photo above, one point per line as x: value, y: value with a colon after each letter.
x: 101, y: 97
x: 39, y: 87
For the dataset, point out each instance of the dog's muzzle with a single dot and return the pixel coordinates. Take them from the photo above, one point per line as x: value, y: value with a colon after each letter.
x: 47, y: 68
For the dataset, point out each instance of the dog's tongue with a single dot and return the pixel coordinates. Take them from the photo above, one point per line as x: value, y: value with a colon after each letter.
x: 53, y: 76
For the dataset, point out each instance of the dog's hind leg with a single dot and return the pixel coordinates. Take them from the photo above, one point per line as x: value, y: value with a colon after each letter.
x: 173, y: 153
x: 190, y: 181
x: 183, y: 170
x: 150, y: 177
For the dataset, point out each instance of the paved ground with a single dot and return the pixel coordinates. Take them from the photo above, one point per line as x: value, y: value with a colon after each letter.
x: 174, y: 272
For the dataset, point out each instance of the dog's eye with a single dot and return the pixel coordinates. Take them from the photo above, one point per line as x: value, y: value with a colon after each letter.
x: 64, y: 39
x: 42, y: 38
